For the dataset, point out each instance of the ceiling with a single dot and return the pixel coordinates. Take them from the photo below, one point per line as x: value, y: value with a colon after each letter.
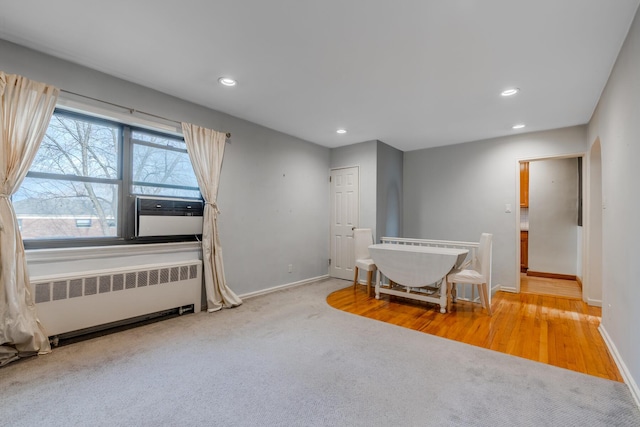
x: 411, y: 73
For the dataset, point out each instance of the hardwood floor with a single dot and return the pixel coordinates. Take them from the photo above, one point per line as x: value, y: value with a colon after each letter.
x: 554, y: 287
x: 548, y: 329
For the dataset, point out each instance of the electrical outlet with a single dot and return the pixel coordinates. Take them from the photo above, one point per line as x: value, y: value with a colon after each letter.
x: 290, y: 268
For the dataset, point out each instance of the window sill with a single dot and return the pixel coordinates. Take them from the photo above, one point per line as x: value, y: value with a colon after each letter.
x: 96, y: 252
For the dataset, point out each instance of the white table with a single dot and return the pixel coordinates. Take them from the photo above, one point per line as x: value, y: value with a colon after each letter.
x: 417, y: 268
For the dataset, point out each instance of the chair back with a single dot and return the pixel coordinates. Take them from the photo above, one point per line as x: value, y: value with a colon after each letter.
x: 484, y: 255
x: 362, y: 238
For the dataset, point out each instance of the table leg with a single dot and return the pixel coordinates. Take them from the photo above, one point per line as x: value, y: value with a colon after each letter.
x: 444, y: 299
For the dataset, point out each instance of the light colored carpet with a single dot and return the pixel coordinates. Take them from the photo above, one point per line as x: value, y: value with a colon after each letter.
x: 288, y: 359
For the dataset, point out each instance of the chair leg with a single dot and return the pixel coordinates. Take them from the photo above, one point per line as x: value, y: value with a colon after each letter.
x: 449, y: 296
x: 369, y: 278
x: 481, y: 295
x: 485, y: 292
x: 355, y: 278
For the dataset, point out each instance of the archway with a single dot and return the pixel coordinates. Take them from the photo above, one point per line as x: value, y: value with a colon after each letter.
x: 592, y: 294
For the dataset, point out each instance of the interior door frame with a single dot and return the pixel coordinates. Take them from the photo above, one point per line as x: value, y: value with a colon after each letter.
x: 331, y: 210
x: 592, y: 183
x: 585, y: 208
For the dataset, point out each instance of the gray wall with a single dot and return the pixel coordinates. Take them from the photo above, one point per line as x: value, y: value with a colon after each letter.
x: 381, y: 188
x: 274, y: 187
x: 389, y: 191
x: 459, y: 191
x: 593, y: 223
x: 363, y: 155
x: 615, y: 123
x: 553, y: 216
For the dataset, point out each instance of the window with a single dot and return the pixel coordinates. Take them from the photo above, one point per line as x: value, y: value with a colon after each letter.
x: 83, y: 222
x: 81, y: 186
x: 161, y: 166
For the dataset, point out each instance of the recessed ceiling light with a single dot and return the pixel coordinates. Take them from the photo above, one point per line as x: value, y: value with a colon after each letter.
x: 227, y: 81
x: 510, y: 92
x: 518, y: 126
x: 341, y: 131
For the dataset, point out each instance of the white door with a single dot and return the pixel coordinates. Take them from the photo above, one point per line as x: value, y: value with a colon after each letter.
x: 345, y: 204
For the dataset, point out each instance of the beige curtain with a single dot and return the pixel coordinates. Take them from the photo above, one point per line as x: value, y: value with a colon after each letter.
x: 25, y: 110
x: 206, y: 149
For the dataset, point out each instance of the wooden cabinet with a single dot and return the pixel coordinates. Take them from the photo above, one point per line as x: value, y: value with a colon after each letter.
x: 524, y: 184
x: 524, y: 251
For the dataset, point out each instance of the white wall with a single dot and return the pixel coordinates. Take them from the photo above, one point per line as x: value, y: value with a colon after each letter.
x: 617, y: 126
x: 459, y: 191
x: 553, y: 216
x: 274, y: 187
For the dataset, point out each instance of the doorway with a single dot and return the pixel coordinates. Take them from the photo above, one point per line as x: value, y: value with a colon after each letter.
x: 550, y: 226
x: 345, y: 214
x: 593, y: 225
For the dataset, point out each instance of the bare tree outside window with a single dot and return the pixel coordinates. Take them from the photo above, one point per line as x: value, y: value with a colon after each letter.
x: 161, y: 166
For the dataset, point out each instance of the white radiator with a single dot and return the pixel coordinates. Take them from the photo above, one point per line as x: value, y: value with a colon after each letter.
x: 67, y: 303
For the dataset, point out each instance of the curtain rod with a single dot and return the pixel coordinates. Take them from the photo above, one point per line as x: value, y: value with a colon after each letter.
x: 131, y: 110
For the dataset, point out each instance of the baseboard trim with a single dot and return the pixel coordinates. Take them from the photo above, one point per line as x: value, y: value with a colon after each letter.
x: 594, y: 302
x: 626, y: 375
x: 281, y: 287
x: 579, y: 280
x: 551, y: 275
x: 507, y: 289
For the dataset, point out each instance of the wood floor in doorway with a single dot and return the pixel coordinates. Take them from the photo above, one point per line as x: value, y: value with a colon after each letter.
x: 553, y: 287
x: 555, y: 330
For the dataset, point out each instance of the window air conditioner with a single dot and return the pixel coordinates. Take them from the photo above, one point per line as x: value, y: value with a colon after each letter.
x: 168, y: 216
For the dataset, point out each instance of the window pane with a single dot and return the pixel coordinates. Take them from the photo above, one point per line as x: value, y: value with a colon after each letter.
x: 158, y: 139
x: 63, y: 209
x: 152, y: 165
x: 75, y: 146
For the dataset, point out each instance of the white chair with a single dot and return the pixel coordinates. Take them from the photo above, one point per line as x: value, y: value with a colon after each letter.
x: 362, y: 238
x: 479, y: 276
